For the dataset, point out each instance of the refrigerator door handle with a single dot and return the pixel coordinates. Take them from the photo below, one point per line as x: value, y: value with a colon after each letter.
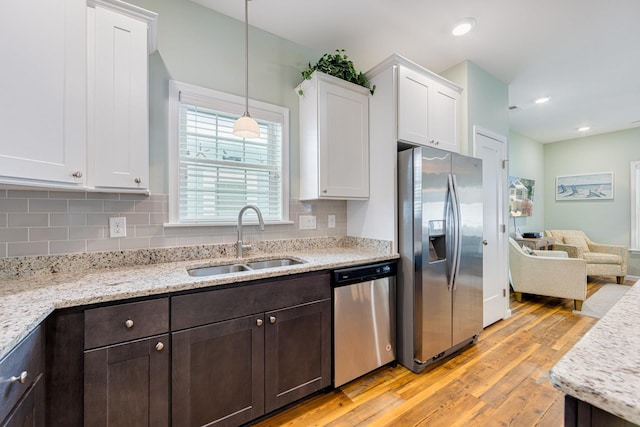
x: 454, y: 231
x: 457, y: 232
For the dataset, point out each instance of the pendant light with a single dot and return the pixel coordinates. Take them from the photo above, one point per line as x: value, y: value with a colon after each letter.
x: 245, y: 126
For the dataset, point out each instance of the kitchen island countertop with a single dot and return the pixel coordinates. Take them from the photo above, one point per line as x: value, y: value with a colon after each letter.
x: 26, y: 301
x: 603, y: 368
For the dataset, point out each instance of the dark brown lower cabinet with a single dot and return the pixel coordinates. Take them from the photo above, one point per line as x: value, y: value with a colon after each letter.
x: 297, y: 353
x: 128, y: 384
x: 30, y: 411
x: 578, y: 413
x: 230, y: 372
x: 218, y: 373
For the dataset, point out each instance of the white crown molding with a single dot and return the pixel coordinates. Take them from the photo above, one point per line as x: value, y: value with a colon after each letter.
x: 135, y: 12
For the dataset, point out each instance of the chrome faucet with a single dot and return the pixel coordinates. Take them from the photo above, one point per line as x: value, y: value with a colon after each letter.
x: 241, y: 245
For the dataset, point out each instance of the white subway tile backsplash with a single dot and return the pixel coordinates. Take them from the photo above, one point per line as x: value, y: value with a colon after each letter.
x: 67, y: 247
x: 88, y: 232
x: 38, y: 234
x: 68, y: 219
x: 27, y: 249
x: 86, y: 206
x: 14, y: 205
x: 122, y: 206
x: 28, y: 220
x: 14, y: 234
x: 103, y: 245
x: 127, y: 243
x: 58, y: 222
x: 48, y: 205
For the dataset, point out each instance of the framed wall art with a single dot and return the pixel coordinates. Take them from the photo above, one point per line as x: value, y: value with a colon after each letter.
x: 591, y: 186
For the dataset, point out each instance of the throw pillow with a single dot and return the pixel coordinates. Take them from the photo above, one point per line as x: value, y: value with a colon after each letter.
x: 577, y: 241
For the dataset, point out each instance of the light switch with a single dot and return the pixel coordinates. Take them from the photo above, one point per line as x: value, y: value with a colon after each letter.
x: 307, y: 222
x: 331, y: 221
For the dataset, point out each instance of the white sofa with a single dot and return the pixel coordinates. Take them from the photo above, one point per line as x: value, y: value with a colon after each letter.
x: 548, y: 273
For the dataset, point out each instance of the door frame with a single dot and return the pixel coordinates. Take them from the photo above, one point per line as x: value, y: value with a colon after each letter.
x: 503, y: 242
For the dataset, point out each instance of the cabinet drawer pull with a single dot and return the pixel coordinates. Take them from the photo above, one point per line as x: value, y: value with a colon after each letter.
x: 22, y: 378
x: 129, y: 323
x: 77, y: 174
x: 138, y: 180
x: 272, y: 319
x: 259, y: 322
x: 159, y: 346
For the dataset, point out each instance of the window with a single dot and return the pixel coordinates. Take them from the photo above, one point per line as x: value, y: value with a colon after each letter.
x: 213, y: 173
x: 635, y: 205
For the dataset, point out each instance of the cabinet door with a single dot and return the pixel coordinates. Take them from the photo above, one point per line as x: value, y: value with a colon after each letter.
x: 128, y: 384
x: 43, y: 102
x: 218, y: 373
x: 413, y: 106
x: 297, y: 353
x: 343, y: 132
x: 427, y: 111
x: 119, y: 119
x: 443, y: 118
x: 30, y: 411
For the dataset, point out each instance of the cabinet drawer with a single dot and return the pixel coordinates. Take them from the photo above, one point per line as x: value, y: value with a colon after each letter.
x: 124, y: 322
x: 216, y: 305
x: 25, y: 357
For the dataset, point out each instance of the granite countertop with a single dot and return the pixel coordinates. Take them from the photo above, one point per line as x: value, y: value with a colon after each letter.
x: 603, y: 368
x: 26, y: 300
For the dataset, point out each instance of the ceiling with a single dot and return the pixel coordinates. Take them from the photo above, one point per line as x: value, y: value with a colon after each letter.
x: 584, y: 54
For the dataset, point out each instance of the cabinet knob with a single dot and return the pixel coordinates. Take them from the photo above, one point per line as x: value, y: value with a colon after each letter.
x: 159, y: 346
x: 77, y: 174
x: 259, y: 322
x: 272, y: 319
x: 324, y: 191
x: 129, y: 323
x: 138, y: 180
x: 484, y: 242
x: 22, y: 378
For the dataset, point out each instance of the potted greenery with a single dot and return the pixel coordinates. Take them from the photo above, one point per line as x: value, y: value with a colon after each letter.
x: 338, y: 65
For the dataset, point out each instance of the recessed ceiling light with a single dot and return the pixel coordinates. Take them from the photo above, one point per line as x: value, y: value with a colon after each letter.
x: 463, y: 26
x: 542, y: 100
x: 584, y: 128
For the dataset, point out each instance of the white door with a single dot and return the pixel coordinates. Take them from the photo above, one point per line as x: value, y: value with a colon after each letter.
x: 492, y: 149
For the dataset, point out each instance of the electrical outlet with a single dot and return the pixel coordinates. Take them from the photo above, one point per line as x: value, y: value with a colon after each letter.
x: 307, y: 222
x: 331, y: 221
x: 118, y: 226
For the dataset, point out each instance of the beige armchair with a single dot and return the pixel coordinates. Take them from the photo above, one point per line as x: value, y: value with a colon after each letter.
x: 548, y: 273
x: 602, y: 260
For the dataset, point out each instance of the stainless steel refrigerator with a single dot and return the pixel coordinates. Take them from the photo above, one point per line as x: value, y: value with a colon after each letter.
x: 440, y: 242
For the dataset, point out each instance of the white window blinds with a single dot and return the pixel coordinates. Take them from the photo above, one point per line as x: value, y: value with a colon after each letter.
x: 219, y: 173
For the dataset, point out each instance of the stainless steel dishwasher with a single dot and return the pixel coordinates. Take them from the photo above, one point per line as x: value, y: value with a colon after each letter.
x: 363, y: 319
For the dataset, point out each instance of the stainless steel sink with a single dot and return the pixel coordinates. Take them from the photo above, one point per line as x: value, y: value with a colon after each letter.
x: 236, y: 267
x: 279, y: 262
x: 217, y: 269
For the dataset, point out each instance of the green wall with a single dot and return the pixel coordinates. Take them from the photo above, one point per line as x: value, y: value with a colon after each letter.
x: 199, y: 46
x: 606, y: 221
x: 484, y: 102
x: 526, y: 160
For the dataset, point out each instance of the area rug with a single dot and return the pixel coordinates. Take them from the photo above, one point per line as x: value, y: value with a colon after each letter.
x: 600, y: 302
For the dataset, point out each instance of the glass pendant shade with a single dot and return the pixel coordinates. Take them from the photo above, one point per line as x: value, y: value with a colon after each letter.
x: 246, y: 127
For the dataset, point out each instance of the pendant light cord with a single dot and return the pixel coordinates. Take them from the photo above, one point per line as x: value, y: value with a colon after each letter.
x: 246, y: 56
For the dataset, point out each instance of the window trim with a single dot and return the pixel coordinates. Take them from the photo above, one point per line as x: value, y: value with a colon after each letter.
x: 236, y: 103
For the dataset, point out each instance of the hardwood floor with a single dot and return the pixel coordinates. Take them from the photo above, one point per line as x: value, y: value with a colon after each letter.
x: 503, y: 380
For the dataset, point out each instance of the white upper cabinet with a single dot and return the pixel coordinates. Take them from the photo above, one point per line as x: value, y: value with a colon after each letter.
x: 43, y: 102
x: 118, y: 115
x: 334, y: 139
x: 427, y: 111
